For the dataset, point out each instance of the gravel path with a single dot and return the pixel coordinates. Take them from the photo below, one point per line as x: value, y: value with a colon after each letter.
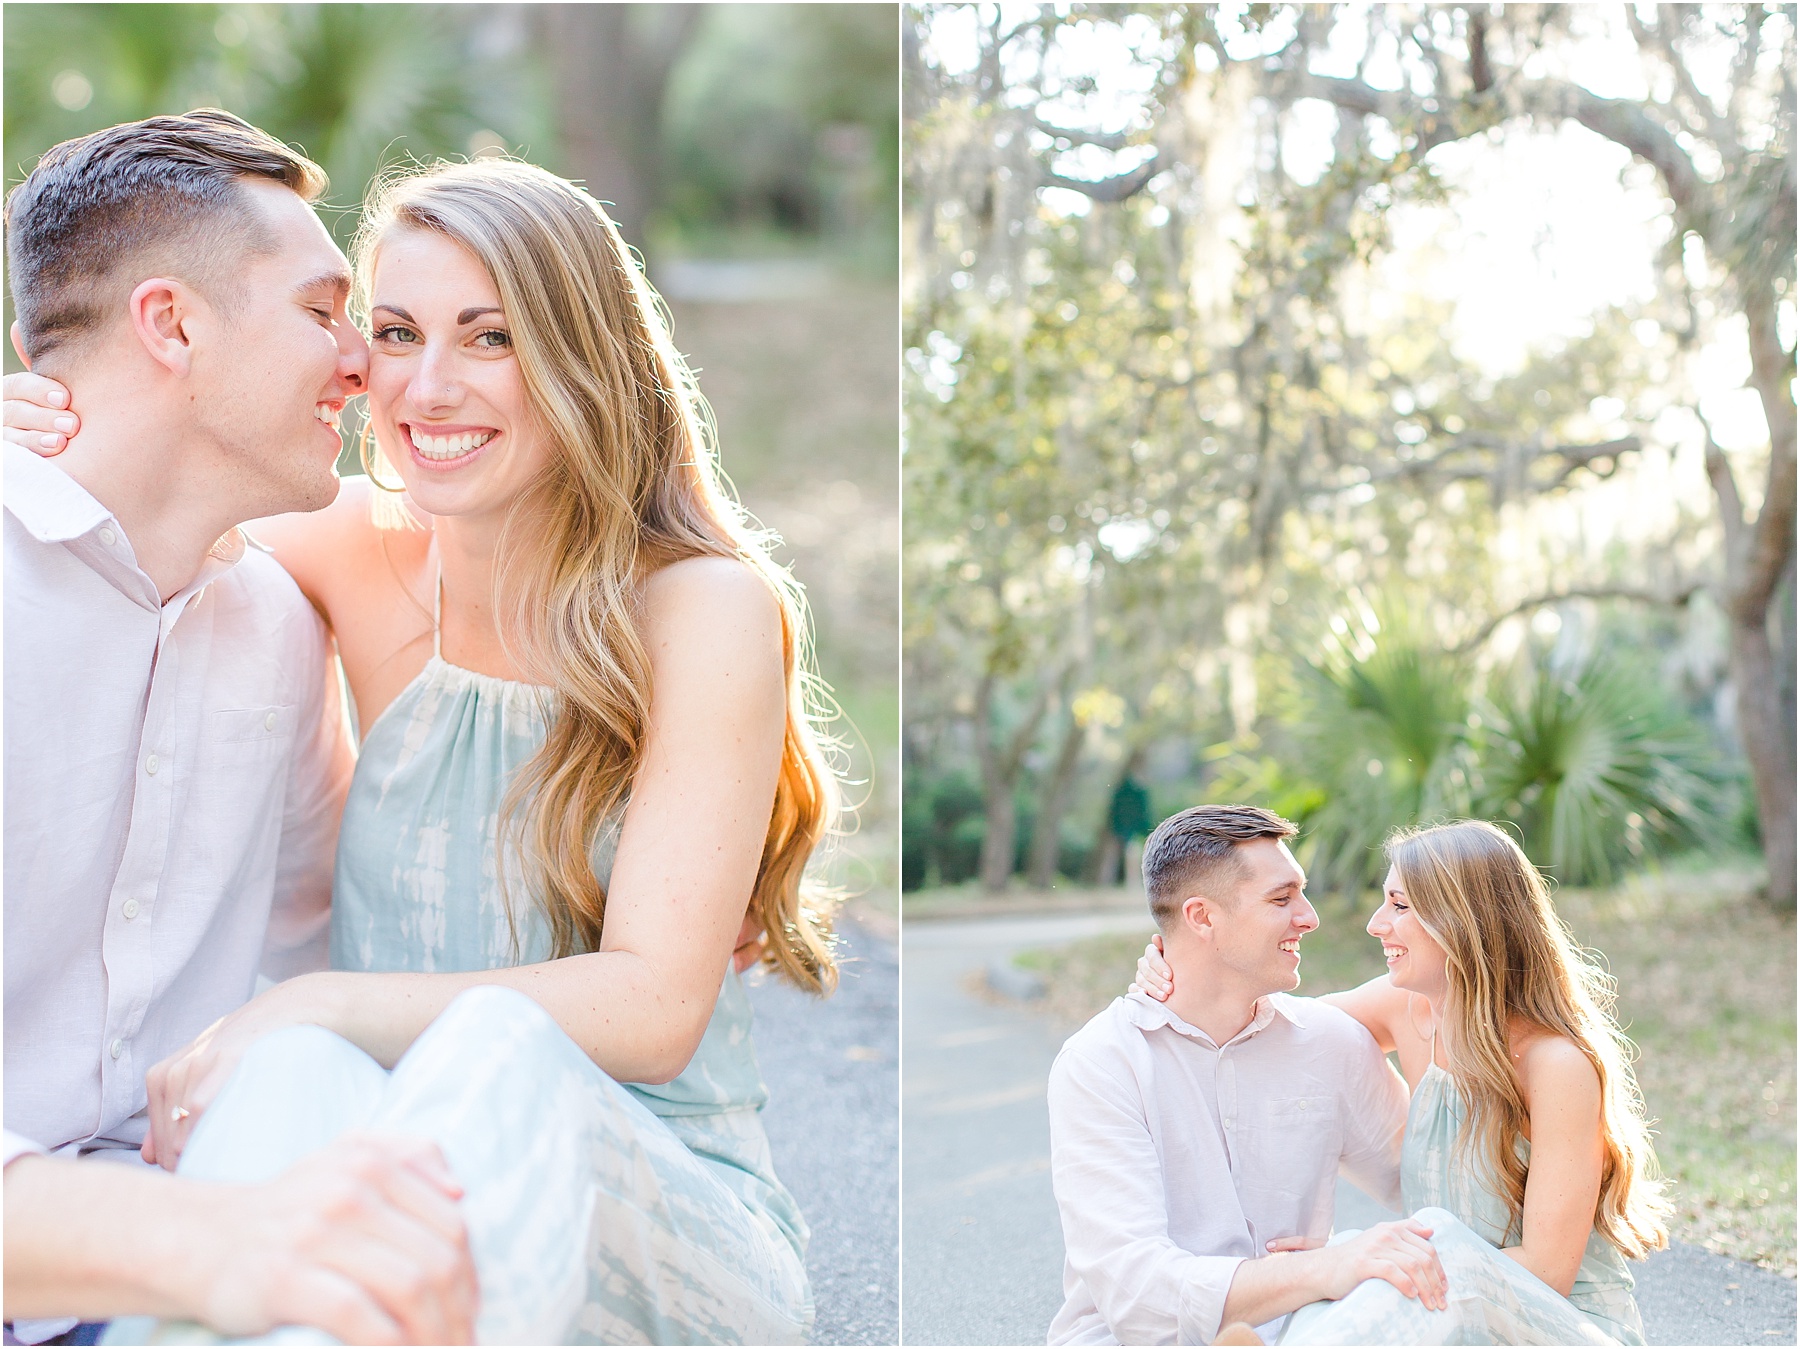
x: 983, y: 1243
x: 833, y: 1121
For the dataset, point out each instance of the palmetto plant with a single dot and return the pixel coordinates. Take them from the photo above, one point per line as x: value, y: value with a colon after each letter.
x: 1384, y: 736
x: 1596, y: 766
x: 1370, y: 735
x: 1591, y: 761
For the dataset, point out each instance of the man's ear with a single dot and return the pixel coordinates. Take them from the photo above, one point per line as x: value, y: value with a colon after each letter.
x: 18, y: 341
x: 1197, y: 915
x: 164, y: 314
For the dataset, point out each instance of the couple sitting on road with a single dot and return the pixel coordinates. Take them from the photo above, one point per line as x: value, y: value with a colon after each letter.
x: 1199, y: 1123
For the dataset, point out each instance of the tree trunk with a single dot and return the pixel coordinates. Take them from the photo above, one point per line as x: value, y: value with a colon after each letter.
x: 1761, y: 719
x: 1000, y: 840
x: 1000, y: 766
x: 611, y: 64
x: 1046, y: 839
x: 1759, y: 557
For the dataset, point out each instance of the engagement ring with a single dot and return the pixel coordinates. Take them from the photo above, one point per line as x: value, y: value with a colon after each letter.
x: 179, y: 1113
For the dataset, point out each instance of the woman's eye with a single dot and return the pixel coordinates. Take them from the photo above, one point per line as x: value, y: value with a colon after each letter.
x: 500, y: 339
x: 395, y: 332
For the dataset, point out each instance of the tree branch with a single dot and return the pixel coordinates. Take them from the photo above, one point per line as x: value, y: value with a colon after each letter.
x: 1115, y: 189
x: 1106, y: 140
x: 1673, y: 599
x: 1573, y: 459
x: 1621, y: 122
x: 1731, y: 505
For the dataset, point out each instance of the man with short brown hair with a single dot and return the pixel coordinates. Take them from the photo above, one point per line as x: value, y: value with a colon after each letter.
x: 176, y: 757
x: 1190, y: 1140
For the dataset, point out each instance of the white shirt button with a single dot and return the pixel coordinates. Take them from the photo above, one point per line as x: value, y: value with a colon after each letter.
x: 130, y: 909
x: 117, y: 1048
x: 108, y: 537
x: 269, y: 721
x: 152, y: 764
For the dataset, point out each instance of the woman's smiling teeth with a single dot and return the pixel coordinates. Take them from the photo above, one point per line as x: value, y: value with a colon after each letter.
x: 1392, y: 953
x: 448, y: 447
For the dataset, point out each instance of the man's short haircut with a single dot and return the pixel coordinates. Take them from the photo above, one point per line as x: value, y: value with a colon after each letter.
x: 163, y: 196
x: 1193, y: 850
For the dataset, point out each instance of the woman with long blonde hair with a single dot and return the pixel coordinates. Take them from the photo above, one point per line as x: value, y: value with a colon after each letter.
x: 1525, y: 1124
x: 590, y: 774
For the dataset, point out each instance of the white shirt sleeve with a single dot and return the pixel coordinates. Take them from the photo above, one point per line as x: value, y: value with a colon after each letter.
x: 17, y: 1145
x: 1109, y: 1188
x: 1375, y: 1100
x: 319, y: 773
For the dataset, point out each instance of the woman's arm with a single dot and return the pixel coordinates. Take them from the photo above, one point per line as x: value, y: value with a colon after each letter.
x: 1377, y: 1004
x: 1562, y: 1188
x: 324, y: 549
x: 687, y: 860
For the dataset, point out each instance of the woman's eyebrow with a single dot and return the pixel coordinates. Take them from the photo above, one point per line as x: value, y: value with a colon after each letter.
x: 396, y: 310
x: 470, y: 315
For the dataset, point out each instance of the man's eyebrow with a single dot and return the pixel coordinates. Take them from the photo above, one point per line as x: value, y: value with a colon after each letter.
x: 337, y: 282
x: 470, y: 315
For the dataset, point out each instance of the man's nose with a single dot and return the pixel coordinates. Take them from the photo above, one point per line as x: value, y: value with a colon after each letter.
x: 353, y: 360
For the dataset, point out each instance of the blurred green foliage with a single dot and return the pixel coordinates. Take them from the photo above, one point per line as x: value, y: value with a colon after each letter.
x: 777, y: 120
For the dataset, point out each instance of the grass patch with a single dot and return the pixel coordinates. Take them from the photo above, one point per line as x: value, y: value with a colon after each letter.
x: 1706, y: 989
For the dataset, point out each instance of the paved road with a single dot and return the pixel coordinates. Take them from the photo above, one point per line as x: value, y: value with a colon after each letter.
x: 983, y: 1246
x: 833, y: 1121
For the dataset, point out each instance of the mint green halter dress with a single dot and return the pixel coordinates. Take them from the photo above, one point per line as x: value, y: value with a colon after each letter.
x: 1493, y: 1299
x: 706, y: 1244
x: 1432, y: 1175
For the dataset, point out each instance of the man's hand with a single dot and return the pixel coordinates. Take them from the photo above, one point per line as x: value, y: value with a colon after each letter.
x: 362, y: 1239
x: 1298, y: 1271
x: 1399, y: 1252
x: 37, y: 413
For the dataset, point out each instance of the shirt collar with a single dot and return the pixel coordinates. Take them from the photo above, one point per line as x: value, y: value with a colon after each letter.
x: 1146, y: 1013
x: 54, y: 508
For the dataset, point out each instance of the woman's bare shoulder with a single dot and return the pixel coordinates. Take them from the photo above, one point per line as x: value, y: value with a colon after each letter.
x: 1552, y: 1064
x: 323, y: 548
x: 723, y: 594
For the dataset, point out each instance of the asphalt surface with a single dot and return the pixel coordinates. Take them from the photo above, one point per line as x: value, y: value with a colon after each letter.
x: 834, y: 1125
x: 982, y: 1237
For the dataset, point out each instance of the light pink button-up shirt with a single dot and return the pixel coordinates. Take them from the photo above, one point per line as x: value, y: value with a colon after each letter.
x: 1174, y: 1158
x: 174, y: 777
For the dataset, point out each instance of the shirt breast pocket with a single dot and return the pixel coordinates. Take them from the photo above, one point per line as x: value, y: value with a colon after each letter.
x: 238, y: 733
x: 1297, y: 1137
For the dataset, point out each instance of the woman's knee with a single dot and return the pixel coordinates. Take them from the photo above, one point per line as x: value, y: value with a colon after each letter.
x: 293, y: 1091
